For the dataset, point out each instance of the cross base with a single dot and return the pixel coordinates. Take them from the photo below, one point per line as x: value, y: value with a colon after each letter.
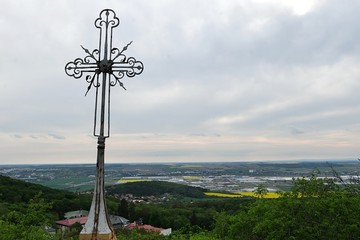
x: 99, y: 236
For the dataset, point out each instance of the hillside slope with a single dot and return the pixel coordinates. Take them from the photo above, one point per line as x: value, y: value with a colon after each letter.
x: 15, y: 194
x: 156, y: 188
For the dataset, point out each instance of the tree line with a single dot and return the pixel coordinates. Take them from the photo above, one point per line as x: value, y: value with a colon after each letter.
x: 315, y: 208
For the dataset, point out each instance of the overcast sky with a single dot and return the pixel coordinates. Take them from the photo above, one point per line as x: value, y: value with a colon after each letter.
x: 235, y: 80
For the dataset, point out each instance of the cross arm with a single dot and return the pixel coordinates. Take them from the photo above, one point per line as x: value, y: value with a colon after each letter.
x: 129, y: 66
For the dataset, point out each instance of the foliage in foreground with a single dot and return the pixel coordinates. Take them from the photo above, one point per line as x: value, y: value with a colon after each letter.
x: 316, y: 208
x: 28, y: 225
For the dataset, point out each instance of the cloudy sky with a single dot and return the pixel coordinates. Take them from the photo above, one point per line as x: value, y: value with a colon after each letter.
x: 236, y: 80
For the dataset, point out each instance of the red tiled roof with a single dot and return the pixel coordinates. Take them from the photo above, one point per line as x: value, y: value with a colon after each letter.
x: 71, y: 221
x: 144, y: 226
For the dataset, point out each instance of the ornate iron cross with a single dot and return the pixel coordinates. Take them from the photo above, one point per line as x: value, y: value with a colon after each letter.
x: 103, y: 68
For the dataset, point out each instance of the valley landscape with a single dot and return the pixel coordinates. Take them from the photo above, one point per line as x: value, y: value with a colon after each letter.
x: 230, y: 176
x: 195, y: 201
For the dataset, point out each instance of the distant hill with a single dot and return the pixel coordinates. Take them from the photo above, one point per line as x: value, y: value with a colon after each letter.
x: 156, y: 188
x: 18, y: 191
x: 14, y: 194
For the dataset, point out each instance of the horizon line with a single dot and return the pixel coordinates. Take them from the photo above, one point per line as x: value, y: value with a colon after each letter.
x: 190, y: 162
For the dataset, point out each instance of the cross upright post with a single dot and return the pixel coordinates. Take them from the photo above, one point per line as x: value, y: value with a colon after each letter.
x: 103, y: 68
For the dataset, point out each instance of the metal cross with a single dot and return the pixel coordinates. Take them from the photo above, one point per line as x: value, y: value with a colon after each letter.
x: 103, y: 68
x: 108, y: 62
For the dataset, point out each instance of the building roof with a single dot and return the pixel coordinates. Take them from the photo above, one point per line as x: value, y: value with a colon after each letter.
x: 118, y: 220
x: 76, y: 214
x: 144, y: 226
x: 115, y: 220
x: 69, y: 222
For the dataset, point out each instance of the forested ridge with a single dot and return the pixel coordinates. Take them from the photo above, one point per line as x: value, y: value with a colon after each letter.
x: 16, y: 194
x: 156, y: 188
x: 315, y: 208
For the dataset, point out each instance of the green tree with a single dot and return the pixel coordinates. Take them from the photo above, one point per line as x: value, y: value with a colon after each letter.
x: 73, y: 232
x: 123, y: 209
x: 260, y: 191
x: 313, y: 186
x: 29, y: 225
x: 37, y: 213
x: 222, y: 226
x: 132, y: 213
x: 315, y: 209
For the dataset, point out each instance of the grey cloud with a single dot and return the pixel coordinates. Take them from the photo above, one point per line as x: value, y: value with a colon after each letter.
x: 56, y: 136
x: 296, y: 131
x: 17, y: 136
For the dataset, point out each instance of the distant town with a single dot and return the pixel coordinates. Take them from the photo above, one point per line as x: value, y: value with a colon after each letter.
x: 229, y: 177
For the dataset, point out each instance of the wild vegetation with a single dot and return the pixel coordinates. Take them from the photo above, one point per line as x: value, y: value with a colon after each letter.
x: 315, y: 208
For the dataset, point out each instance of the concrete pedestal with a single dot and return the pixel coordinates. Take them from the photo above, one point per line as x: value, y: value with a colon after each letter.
x: 98, y: 225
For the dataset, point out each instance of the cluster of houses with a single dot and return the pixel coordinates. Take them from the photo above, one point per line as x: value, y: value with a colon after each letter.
x: 134, y: 199
x: 70, y: 218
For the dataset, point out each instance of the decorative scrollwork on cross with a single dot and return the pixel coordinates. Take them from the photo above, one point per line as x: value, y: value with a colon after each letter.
x: 106, y: 59
x: 104, y: 68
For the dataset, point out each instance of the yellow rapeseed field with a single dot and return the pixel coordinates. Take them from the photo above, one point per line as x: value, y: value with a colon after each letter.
x: 227, y: 195
x: 191, y: 178
x: 132, y: 180
x: 252, y: 194
x: 241, y: 194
